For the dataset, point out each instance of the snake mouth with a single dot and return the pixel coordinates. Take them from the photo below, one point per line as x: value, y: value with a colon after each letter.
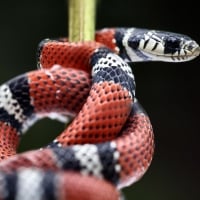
x: 186, y: 53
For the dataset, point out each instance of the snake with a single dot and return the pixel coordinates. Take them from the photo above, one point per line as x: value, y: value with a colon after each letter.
x: 109, y: 143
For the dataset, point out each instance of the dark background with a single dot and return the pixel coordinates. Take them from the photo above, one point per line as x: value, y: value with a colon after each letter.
x: 169, y: 92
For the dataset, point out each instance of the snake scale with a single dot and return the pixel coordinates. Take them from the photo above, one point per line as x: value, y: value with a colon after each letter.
x: 110, y: 143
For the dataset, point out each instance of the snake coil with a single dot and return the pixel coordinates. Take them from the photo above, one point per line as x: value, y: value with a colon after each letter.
x: 109, y: 144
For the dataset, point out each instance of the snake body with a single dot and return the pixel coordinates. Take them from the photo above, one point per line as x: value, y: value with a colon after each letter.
x: 110, y: 141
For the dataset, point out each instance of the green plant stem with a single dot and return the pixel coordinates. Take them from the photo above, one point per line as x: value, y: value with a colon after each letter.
x: 82, y: 14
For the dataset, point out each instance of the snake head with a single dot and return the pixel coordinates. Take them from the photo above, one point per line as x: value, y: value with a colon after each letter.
x: 179, y: 47
x: 146, y: 45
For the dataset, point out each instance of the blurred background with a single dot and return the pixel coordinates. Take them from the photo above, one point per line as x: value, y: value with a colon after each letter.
x: 169, y: 92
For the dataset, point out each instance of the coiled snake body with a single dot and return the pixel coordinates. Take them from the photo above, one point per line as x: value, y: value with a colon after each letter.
x: 109, y: 142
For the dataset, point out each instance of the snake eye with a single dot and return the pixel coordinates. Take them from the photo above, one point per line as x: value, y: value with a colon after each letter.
x: 172, y: 44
